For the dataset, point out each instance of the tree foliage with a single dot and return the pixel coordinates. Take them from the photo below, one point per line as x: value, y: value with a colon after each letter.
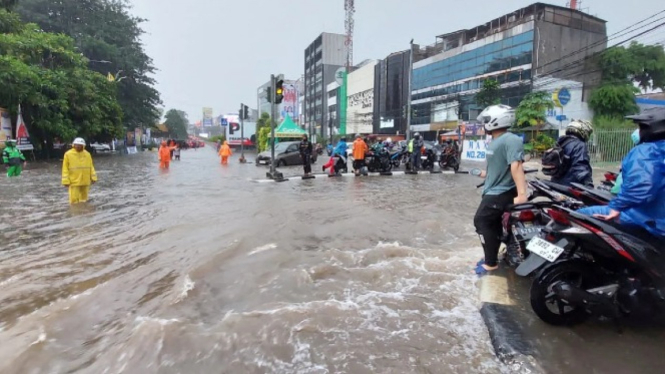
x: 109, y: 37
x: 532, y: 110
x: 614, y: 100
x: 60, y: 96
x: 176, y: 121
x: 490, y: 93
x: 642, y: 64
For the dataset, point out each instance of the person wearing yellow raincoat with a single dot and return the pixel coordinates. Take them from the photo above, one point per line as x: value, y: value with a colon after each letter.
x: 225, y: 152
x: 78, y: 172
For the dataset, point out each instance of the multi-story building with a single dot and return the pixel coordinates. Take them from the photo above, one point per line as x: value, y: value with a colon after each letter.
x: 323, y: 57
x: 391, y: 89
x: 516, y: 49
x: 360, y: 98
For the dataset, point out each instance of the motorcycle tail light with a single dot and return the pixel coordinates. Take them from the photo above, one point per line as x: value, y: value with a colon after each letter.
x: 527, y: 216
x: 559, y: 217
x: 610, y: 177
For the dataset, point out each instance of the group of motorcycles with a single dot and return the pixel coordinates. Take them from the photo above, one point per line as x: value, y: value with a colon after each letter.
x: 581, y: 265
x: 384, y: 160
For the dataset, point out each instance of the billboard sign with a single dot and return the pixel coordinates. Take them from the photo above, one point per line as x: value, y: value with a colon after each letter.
x: 289, y: 106
x: 207, y: 117
x: 5, y: 126
x: 233, y: 132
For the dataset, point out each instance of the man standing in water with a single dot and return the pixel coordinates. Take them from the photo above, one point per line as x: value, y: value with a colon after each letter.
x: 78, y: 172
x: 13, y: 158
x: 505, y: 182
x: 306, y: 155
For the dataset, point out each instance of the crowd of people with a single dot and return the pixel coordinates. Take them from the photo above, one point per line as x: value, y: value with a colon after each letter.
x: 640, y: 194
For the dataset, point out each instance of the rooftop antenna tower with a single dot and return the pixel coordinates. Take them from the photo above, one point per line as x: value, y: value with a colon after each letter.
x: 350, y: 9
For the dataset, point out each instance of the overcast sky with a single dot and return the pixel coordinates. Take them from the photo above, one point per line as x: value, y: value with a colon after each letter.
x: 215, y: 53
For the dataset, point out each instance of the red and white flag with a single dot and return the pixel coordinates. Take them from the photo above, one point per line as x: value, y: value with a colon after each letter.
x: 22, y: 136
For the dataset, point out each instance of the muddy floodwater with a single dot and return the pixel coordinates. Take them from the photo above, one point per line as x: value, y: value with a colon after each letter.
x: 202, y: 270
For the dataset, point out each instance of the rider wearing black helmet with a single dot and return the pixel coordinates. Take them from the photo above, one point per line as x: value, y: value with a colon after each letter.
x: 641, y: 201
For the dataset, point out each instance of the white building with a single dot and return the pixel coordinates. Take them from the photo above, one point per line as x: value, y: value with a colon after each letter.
x: 360, y: 99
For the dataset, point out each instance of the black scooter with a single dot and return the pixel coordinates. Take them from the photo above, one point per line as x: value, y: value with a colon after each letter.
x: 593, y: 267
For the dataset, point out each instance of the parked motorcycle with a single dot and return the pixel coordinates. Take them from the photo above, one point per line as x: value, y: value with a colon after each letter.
x: 593, y: 267
x: 430, y: 158
x: 378, y: 161
x: 399, y: 157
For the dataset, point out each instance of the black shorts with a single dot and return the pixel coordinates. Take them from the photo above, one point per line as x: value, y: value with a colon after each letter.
x: 358, y: 164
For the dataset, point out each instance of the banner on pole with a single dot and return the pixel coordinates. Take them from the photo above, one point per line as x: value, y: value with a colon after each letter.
x: 22, y: 136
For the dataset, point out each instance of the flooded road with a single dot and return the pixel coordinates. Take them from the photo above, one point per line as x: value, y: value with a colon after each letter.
x: 201, y: 270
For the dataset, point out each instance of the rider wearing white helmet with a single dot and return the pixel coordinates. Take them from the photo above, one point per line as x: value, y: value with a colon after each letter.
x: 505, y: 182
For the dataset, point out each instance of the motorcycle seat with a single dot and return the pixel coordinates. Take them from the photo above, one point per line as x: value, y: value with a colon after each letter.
x: 599, y: 193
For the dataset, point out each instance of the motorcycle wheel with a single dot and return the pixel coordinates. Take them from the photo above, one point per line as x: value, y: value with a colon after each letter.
x: 388, y: 167
x: 547, y: 306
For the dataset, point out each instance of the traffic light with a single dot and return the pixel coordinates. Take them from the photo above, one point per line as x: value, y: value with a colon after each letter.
x: 245, y: 112
x: 279, y: 92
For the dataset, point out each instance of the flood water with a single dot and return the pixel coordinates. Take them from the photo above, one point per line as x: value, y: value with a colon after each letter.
x: 202, y: 270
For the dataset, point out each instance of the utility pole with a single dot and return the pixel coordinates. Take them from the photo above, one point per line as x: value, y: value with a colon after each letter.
x: 272, y: 126
x: 243, y: 111
x: 408, y: 99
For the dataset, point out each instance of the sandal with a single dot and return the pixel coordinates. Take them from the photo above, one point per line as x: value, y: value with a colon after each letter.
x: 480, y: 270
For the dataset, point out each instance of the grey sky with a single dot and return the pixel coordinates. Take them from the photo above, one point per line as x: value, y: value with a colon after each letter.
x: 217, y: 52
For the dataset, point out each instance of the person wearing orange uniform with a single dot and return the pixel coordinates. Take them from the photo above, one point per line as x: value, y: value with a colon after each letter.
x: 359, y: 150
x: 225, y: 152
x: 164, y: 156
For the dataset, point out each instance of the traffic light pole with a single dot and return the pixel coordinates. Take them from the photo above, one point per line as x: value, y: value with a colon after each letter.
x: 408, y: 100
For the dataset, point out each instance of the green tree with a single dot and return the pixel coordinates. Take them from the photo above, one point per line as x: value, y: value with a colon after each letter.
x: 60, y: 96
x: 649, y: 67
x: 614, y: 100
x: 490, y: 93
x: 263, y: 121
x: 8, y: 4
x: 263, y: 137
x: 532, y: 110
x: 105, y: 33
x: 176, y: 122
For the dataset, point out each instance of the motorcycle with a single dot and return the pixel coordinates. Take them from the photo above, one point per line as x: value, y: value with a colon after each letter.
x: 378, y: 161
x: 399, y: 157
x: 593, y: 267
x: 449, y: 159
x: 524, y: 221
x: 429, y: 158
x: 608, y: 183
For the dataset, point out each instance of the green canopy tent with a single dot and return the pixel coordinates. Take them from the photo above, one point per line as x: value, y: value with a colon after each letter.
x: 289, y: 129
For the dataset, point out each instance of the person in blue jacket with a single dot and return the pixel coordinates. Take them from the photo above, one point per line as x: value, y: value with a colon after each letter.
x: 574, y: 146
x: 340, y: 153
x: 641, y: 201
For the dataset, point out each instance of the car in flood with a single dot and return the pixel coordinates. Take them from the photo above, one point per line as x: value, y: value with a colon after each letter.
x: 286, y: 154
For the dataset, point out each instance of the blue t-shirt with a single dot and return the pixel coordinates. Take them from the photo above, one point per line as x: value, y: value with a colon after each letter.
x: 501, y: 153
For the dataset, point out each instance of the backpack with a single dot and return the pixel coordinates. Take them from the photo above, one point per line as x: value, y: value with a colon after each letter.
x: 556, y: 162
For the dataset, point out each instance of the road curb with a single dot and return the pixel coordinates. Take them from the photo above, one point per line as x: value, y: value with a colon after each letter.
x: 508, y: 341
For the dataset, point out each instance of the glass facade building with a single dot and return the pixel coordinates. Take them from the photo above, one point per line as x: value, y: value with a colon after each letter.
x: 459, y: 77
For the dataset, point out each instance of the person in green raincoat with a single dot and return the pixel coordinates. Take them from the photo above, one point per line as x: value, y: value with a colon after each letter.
x: 635, y: 137
x: 13, y: 159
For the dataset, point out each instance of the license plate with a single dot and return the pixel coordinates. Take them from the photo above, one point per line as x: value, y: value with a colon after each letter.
x: 544, y: 249
x: 524, y: 231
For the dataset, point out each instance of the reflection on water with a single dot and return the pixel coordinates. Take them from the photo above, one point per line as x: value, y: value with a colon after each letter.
x: 200, y: 270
